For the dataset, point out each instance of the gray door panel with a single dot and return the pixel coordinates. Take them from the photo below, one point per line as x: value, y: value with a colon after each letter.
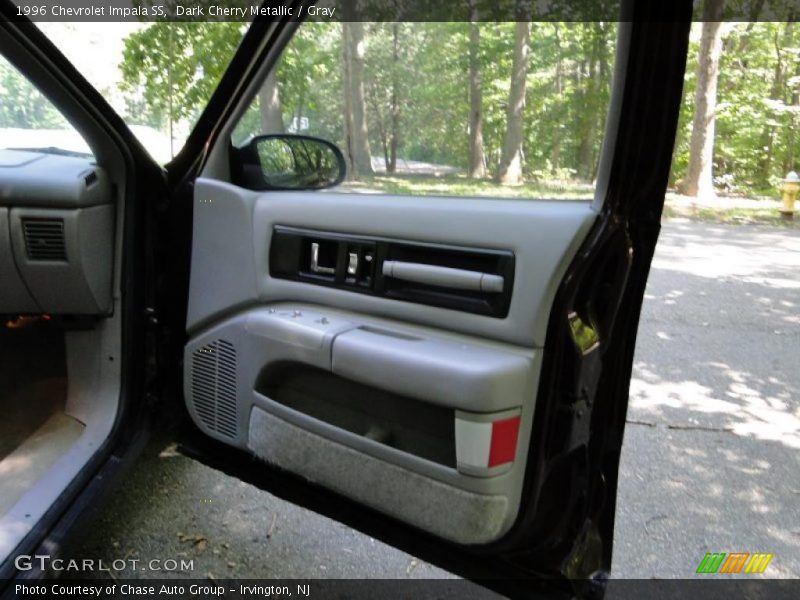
x: 233, y: 229
x: 422, y: 412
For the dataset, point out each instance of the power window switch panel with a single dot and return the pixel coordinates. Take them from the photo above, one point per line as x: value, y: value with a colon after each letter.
x: 296, y: 334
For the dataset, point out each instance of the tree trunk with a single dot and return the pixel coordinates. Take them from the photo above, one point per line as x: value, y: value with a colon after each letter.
x: 477, y: 160
x: 510, y: 170
x: 601, y: 88
x: 555, y: 154
x: 768, y: 133
x: 356, y: 132
x: 699, y: 177
x: 588, y: 100
x: 789, y: 163
x: 297, y: 120
x: 380, y: 124
x: 394, y: 137
x: 269, y: 105
x: 347, y: 103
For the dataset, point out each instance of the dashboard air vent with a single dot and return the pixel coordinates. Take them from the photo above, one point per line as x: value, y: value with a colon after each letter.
x: 44, y: 239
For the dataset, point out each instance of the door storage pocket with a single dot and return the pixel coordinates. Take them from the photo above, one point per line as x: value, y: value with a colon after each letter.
x: 452, y: 513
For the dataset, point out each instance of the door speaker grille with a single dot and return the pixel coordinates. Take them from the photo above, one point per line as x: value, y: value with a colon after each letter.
x: 214, y: 386
x: 44, y: 239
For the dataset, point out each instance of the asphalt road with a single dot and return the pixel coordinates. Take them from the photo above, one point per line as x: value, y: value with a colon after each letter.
x: 711, y: 461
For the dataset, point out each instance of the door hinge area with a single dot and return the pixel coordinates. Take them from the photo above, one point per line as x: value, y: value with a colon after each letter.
x: 151, y: 315
x: 574, y: 424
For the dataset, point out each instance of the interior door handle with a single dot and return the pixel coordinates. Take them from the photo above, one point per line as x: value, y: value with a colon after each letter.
x: 315, y: 266
x: 460, y: 279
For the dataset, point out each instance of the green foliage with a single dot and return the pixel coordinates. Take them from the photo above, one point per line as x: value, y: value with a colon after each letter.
x: 423, y: 82
x: 756, y: 111
x: 309, y: 75
x: 434, y: 92
x: 170, y: 70
x: 21, y: 104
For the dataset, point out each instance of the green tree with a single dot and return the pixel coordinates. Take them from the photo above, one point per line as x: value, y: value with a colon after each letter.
x: 477, y: 160
x: 419, y: 89
x: 510, y: 170
x: 22, y: 105
x: 699, y: 174
x: 175, y: 67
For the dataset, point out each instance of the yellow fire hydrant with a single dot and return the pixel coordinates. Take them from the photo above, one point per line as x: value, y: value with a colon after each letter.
x: 790, y: 188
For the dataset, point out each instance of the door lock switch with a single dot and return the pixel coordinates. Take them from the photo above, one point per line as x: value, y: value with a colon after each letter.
x: 352, y: 264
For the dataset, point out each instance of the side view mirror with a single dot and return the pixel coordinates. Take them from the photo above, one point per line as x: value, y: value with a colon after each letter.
x: 290, y: 162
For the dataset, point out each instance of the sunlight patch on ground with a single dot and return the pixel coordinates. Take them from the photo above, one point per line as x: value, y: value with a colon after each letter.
x: 744, y: 409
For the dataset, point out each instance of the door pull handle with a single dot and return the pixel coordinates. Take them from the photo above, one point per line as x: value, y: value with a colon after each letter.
x: 315, y: 266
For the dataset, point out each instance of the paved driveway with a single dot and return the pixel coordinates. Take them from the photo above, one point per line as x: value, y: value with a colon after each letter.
x: 711, y: 461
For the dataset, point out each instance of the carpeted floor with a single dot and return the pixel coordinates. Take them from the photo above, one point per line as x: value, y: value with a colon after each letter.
x: 33, y: 381
x: 34, y: 431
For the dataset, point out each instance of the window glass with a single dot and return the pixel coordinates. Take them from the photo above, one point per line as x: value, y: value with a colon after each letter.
x: 464, y: 109
x: 158, y: 76
x: 29, y: 121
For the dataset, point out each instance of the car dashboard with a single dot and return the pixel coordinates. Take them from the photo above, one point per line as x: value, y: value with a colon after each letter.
x: 56, y: 235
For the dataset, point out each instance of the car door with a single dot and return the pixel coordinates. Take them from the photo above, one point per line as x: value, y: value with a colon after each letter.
x: 77, y: 197
x: 449, y: 374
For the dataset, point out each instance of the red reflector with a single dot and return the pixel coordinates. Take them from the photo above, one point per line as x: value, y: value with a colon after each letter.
x: 504, y: 441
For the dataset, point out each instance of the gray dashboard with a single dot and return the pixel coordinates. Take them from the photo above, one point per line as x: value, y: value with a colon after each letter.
x: 56, y: 234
